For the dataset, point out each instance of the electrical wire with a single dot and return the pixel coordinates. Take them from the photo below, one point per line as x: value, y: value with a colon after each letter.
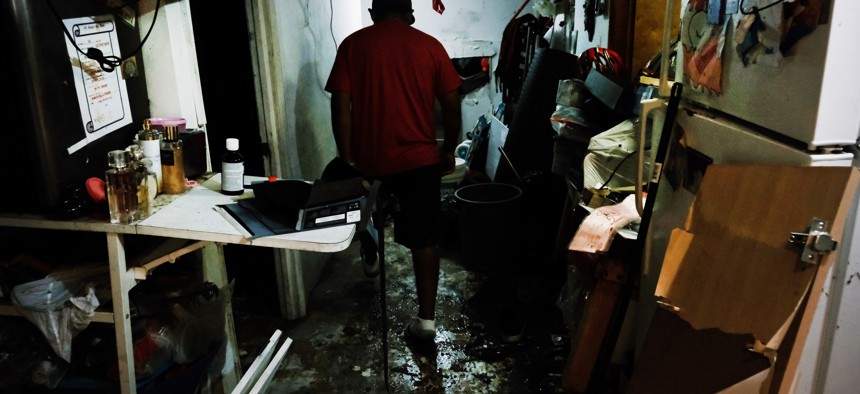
x: 617, y: 167
x: 331, y: 24
x: 755, y: 9
x: 107, y: 63
x: 316, y: 53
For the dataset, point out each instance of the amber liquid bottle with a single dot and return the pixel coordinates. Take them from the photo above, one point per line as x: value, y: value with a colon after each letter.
x: 122, y: 188
x: 172, y: 162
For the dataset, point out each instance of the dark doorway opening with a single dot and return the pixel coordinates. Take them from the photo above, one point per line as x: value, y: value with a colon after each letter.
x: 227, y: 80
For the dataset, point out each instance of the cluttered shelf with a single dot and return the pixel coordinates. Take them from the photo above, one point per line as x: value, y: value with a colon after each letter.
x: 69, y: 290
x: 177, y: 225
x: 100, y: 316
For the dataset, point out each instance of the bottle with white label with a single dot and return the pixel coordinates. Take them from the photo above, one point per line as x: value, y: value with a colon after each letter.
x: 150, y: 141
x: 232, y: 169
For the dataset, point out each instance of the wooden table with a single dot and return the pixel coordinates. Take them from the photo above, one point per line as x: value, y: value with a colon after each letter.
x: 189, y: 216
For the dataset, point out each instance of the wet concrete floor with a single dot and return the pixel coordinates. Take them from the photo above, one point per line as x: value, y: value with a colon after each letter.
x: 495, y: 334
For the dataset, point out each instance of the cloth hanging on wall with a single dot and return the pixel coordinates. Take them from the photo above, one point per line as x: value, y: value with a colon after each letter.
x: 703, y: 47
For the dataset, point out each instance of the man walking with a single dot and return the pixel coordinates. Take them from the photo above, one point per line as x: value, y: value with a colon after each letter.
x: 385, y: 82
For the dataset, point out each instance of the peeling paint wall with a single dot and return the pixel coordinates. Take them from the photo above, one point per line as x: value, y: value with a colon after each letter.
x: 470, y: 29
x: 466, y: 29
x: 306, y: 38
x: 296, y: 44
x: 474, y: 29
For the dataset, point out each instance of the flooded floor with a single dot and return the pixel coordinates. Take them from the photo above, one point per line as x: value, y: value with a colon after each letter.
x: 495, y: 334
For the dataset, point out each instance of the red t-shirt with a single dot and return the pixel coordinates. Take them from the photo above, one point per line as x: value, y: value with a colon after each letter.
x: 393, y: 74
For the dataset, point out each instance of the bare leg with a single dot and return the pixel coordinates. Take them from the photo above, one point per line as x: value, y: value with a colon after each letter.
x: 425, y: 264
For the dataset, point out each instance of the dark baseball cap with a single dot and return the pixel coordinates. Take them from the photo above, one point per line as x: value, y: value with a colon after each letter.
x: 392, y: 5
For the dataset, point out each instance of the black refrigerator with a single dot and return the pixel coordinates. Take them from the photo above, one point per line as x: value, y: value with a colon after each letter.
x: 45, y: 161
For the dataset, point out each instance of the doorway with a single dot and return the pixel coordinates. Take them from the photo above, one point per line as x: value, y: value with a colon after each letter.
x: 227, y: 83
x: 227, y: 80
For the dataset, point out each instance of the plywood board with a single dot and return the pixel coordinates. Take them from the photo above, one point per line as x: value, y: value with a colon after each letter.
x: 679, y: 359
x: 733, y: 268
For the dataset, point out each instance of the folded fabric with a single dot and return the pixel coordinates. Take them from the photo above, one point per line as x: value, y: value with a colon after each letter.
x: 596, y: 232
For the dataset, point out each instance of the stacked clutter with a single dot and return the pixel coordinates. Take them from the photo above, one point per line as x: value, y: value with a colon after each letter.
x: 586, y: 106
x: 451, y: 182
x: 609, y: 164
x: 574, y: 129
x: 178, y: 328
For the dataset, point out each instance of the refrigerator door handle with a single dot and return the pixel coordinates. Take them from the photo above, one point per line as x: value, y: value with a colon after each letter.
x: 647, y: 106
x: 815, y: 242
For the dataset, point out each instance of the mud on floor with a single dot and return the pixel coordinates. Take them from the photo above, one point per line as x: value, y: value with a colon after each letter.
x: 494, y: 334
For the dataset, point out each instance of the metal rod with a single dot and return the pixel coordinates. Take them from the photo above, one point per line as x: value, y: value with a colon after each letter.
x: 379, y: 223
x: 508, y: 160
x: 620, y: 309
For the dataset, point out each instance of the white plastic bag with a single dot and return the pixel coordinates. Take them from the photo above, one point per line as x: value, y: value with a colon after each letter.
x: 61, y: 304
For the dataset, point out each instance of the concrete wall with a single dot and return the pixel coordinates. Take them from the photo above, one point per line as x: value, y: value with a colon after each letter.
x: 303, y: 42
x: 467, y: 29
x: 306, y: 37
x: 475, y: 28
x: 172, y: 76
x: 295, y: 48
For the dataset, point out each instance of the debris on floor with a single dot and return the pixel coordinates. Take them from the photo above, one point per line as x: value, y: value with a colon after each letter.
x: 494, y: 333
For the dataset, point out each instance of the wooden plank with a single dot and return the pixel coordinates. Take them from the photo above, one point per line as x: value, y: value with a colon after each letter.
x: 679, y: 359
x: 263, y: 382
x: 735, y: 269
x: 817, y: 289
x: 586, y: 345
x: 215, y: 271
x: 257, y: 367
x: 99, y: 317
x: 85, y: 224
x: 143, y: 271
x: 121, y: 283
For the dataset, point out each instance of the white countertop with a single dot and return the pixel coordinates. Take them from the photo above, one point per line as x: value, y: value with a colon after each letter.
x: 192, y: 215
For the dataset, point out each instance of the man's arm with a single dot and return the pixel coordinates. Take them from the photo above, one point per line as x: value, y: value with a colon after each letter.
x: 341, y: 124
x: 451, y: 123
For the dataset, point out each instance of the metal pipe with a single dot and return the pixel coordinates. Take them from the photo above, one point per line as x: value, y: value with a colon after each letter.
x: 665, y: 89
x: 511, y: 164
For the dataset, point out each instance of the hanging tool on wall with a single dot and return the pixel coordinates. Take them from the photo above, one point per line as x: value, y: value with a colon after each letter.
x: 593, y: 8
x: 438, y: 6
x: 589, y: 7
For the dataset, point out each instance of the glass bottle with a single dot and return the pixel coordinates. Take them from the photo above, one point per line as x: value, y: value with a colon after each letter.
x: 150, y: 142
x: 232, y: 169
x: 172, y: 162
x: 139, y: 164
x: 121, y: 183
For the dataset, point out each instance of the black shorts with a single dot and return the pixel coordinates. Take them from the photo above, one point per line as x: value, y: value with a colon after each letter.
x: 417, y: 194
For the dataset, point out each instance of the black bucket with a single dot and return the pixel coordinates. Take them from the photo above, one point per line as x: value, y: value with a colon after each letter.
x: 490, y: 226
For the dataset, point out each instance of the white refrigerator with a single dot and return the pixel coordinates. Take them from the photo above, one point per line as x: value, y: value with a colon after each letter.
x: 802, y: 109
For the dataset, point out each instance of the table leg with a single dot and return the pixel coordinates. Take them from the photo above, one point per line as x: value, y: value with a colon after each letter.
x: 121, y: 282
x: 215, y: 271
